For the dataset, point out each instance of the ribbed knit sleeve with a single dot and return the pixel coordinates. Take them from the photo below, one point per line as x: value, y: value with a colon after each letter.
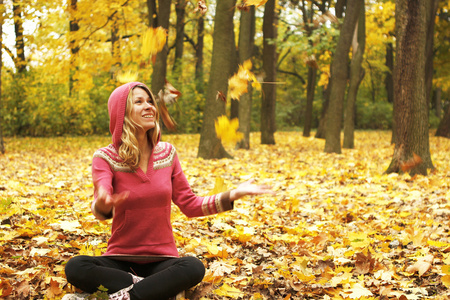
x: 189, y: 203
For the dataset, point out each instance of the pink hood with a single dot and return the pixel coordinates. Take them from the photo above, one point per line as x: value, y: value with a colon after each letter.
x: 117, y: 104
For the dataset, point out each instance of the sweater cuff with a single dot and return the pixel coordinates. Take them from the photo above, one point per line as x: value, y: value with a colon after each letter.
x: 227, y: 204
x: 217, y: 204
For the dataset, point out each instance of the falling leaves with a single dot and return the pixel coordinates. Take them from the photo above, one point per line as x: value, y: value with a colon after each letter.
x: 127, y: 76
x: 201, y: 7
x: 170, y: 94
x: 256, y: 3
x: 153, y: 41
x: 226, y: 130
x: 238, y: 83
x: 338, y: 228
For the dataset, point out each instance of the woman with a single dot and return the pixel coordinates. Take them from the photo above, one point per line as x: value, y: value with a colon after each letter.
x: 135, y: 179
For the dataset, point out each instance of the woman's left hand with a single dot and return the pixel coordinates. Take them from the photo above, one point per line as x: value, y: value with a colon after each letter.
x: 249, y: 188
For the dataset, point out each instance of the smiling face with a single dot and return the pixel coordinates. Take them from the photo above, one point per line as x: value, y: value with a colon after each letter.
x: 143, y: 110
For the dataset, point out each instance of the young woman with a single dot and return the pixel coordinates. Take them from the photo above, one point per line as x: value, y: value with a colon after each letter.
x: 136, y: 178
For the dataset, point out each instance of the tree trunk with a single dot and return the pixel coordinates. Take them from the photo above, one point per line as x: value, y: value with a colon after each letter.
x: 160, y: 65
x: 311, y: 87
x: 438, y: 101
x: 199, y: 55
x: 115, y: 46
x: 180, y: 8
x: 321, y: 129
x: 320, y: 134
x: 388, y: 80
x: 268, y: 126
x: 246, y: 43
x: 410, y: 103
x: 2, y: 144
x: 356, y: 76
x: 73, y: 45
x: 308, y: 17
x: 431, y: 11
x: 444, y: 126
x: 152, y: 13
x: 234, y: 104
x: 389, y: 83
x: 339, y: 70
x: 20, y: 62
x: 210, y: 146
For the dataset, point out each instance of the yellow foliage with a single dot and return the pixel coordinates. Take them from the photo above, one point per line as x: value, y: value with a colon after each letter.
x: 226, y: 130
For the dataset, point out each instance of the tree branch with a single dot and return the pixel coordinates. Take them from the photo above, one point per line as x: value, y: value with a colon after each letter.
x: 293, y: 74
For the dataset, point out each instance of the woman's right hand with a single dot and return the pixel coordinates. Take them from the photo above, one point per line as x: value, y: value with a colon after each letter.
x: 104, y: 204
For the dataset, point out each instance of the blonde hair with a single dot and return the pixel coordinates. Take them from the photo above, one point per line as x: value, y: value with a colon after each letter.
x: 129, y: 150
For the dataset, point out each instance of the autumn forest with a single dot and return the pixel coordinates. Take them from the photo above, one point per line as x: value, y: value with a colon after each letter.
x: 342, y: 107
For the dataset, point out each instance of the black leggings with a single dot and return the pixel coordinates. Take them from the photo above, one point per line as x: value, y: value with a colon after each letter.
x: 162, y: 280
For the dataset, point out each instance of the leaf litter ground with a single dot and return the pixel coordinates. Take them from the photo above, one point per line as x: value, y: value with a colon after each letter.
x: 338, y: 227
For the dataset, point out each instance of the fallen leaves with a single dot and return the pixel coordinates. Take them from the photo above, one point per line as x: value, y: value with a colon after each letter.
x: 338, y: 228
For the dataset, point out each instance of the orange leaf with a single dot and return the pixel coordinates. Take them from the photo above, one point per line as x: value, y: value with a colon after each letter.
x: 54, y: 289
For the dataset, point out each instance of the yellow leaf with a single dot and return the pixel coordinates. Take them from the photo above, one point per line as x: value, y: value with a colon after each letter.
x: 153, y: 41
x: 446, y: 280
x: 238, y: 83
x: 226, y: 130
x: 219, y: 186
x: 357, y: 291
x: 256, y: 3
x: 229, y: 291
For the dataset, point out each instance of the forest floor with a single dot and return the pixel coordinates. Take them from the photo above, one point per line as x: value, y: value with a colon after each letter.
x: 338, y: 227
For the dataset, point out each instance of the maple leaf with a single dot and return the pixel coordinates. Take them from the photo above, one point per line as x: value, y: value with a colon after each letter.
x: 364, y: 264
x: 153, y: 41
x: 226, y: 130
x: 54, y: 289
x: 238, y: 83
x: 422, y: 265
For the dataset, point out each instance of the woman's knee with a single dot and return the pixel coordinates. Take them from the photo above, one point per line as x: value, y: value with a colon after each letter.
x: 196, y: 268
x: 75, y: 268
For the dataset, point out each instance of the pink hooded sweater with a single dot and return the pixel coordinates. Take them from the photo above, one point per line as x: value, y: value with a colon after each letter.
x: 141, y: 228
